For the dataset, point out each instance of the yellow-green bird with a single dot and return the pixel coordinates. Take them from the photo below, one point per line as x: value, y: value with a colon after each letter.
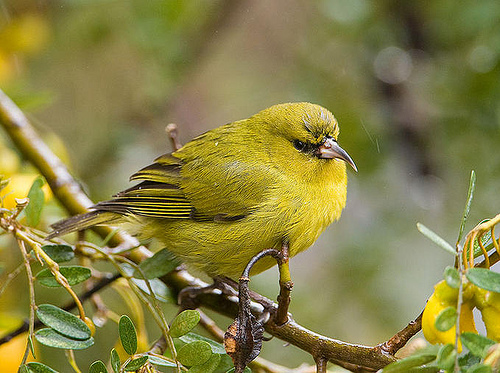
x: 278, y: 176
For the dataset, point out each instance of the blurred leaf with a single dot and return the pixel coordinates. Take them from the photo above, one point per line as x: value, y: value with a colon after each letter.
x: 194, y: 353
x: 436, y: 239
x: 184, y: 323
x: 217, y: 348
x: 160, y: 290
x: 23, y: 369
x: 478, y: 345
x: 39, y: 368
x: 403, y: 366
x: 35, y: 206
x: 470, y: 195
x: 98, y: 367
x: 161, y: 362
x: 468, y: 359
x: 484, y: 278
x: 446, y: 319
x: 115, y: 361
x: 158, y: 265
x: 128, y: 335
x: 59, y: 253
x: 63, y: 322
x: 246, y: 370
x: 135, y: 364
x: 208, y: 367
x: 49, y: 337
x: 452, y: 277
x: 446, y: 357
x: 74, y: 275
x: 479, y: 368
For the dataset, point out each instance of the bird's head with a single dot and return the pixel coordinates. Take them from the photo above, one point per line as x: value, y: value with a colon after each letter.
x: 303, y: 132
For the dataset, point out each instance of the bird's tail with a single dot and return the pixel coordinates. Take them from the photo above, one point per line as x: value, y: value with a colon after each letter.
x: 80, y: 222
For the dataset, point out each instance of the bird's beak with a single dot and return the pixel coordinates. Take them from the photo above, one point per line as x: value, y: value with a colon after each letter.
x: 331, y: 149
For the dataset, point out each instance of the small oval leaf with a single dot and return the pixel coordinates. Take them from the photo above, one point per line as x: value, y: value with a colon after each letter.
x: 404, y: 365
x: 158, y: 265
x: 161, y: 361
x: 194, y: 353
x: 34, y: 367
x: 34, y: 208
x: 98, y: 367
x: 208, y: 367
x: 446, y: 319
x: 59, y: 253
x: 49, y: 337
x: 446, y: 357
x: 128, y: 335
x: 478, y: 345
x: 135, y: 364
x: 115, y: 361
x: 74, y: 275
x: 217, y: 348
x: 452, y: 277
x: 184, y: 323
x: 484, y: 278
x: 63, y: 322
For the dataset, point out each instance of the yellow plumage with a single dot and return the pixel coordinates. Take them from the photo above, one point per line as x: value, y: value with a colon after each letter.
x: 236, y: 190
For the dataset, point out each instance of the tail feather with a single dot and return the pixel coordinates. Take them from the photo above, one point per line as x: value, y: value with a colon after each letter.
x: 80, y: 222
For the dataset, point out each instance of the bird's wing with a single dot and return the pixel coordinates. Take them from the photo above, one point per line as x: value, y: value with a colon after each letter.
x: 202, y: 188
x: 159, y: 195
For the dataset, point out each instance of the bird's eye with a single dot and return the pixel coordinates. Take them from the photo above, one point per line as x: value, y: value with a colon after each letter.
x: 299, y: 145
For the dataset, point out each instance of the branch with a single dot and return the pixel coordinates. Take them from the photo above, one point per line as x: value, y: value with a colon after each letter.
x: 71, y: 196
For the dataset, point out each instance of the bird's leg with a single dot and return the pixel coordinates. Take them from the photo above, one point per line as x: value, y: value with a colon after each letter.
x: 286, y: 285
x: 243, y: 339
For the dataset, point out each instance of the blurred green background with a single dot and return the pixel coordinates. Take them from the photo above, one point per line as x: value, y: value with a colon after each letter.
x: 414, y: 85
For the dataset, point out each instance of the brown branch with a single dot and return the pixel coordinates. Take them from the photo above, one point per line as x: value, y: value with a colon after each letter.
x: 68, y: 192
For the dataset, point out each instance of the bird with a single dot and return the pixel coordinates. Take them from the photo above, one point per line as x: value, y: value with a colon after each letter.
x: 276, y: 177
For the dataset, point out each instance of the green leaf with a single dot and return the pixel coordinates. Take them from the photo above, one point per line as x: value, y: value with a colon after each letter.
x: 404, y: 365
x: 98, y: 367
x: 49, y: 337
x: 39, y: 368
x: 246, y: 370
x: 37, y: 199
x: 128, y: 336
x: 430, y: 369
x: 158, y: 265
x: 446, y: 357
x: 446, y: 319
x: 478, y: 345
x: 59, y: 253
x: 135, y: 364
x: 484, y: 278
x: 115, y: 361
x: 161, y: 362
x: 31, y: 346
x: 485, y: 238
x: 74, y: 275
x: 184, y: 323
x: 208, y: 367
x: 217, y: 348
x: 452, y: 277
x: 436, y: 239
x: 479, y: 368
x: 470, y: 195
x: 63, y: 322
x: 194, y: 353
x: 468, y: 360
x: 23, y: 369
x: 160, y: 290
